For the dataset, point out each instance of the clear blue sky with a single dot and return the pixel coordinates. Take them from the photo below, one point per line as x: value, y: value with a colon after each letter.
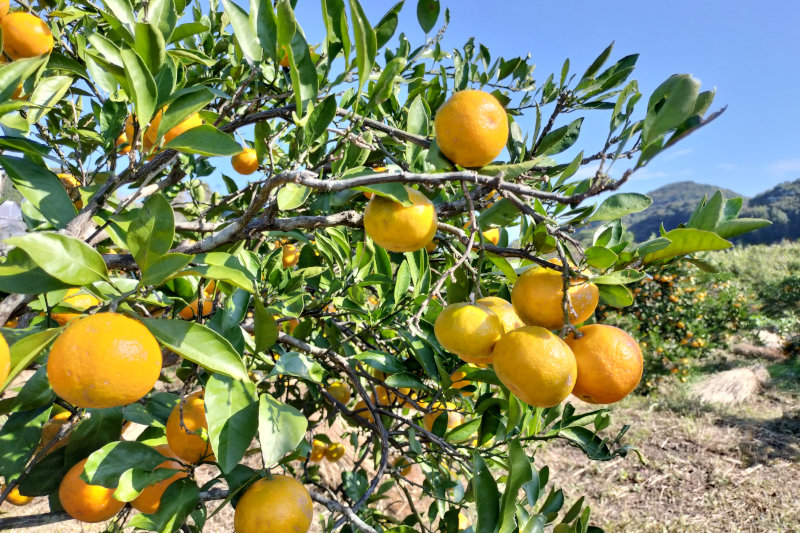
x: 748, y: 50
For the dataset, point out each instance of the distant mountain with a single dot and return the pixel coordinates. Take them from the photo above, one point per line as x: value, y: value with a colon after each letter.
x: 673, y: 204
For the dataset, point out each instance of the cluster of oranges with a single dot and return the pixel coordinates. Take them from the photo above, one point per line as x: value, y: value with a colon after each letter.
x: 602, y: 365
x: 332, y: 452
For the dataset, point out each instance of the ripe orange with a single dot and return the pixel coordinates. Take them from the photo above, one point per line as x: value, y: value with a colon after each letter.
x: 537, y: 297
x: 609, y: 363
x: 190, y: 311
x: 492, y: 235
x: 291, y: 255
x: 468, y: 330
x: 104, y: 360
x: 149, y: 500
x: 76, y: 299
x: 340, y: 391
x: 25, y: 35
x: 281, y: 505
x: 504, y: 310
x: 122, y: 139
x: 400, y: 228
x: 5, y: 360
x: 334, y: 452
x: 471, y: 128
x: 535, y: 365
x: 3, y: 8
x: 457, y: 381
x: 360, y: 408
x: 182, y: 439
x: 403, y: 464
x: 317, y: 451
x: 151, y: 134
x: 14, y: 497
x: 431, y: 246
x: 245, y: 162
x: 454, y: 419
x: 84, y: 502
x: 51, y: 429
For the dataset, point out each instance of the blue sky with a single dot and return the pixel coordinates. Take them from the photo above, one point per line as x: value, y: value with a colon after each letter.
x: 746, y: 50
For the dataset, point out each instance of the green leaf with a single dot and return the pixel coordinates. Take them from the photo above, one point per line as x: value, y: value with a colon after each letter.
x: 519, y: 473
x: 292, y: 195
x: 102, y: 426
x: 615, y: 295
x: 653, y: 245
x: 149, y: 44
x: 393, y: 191
x: 732, y: 228
x: 320, y: 118
x: 198, y: 344
x: 303, y: 72
x: 381, y: 361
x: 122, y: 10
x: 686, y: 241
x: 620, y: 277
x: 402, y: 282
x: 266, y: 329
x: 13, y: 74
x: 132, y: 482
x: 337, y: 32
x: 266, y: 24
x: 504, y: 266
x: 427, y: 14
x: 387, y: 25
x: 65, y: 258
x: 41, y: 188
x: 280, y: 429
x: 184, y: 106
x: 141, y: 83
x: 164, y: 267
x: 621, y: 204
x: 205, y: 140
x: 187, y: 30
x: 150, y: 235
x: 46, y: 95
x: 105, y: 466
x: 245, y: 34
x: 232, y: 414
x: 670, y: 104
x: 598, y: 62
x: 19, y: 437
x: 709, y: 213
x: 405, y: 380
x: 298, y: 365
x: 384, y: 87
x: 287, y: 25
x: 24, y: 351
x: 486, y: 496
x: 560, y: 139
x: 163, y: 16
x: 366, y: 44
x: 511, y: 170
x: 177, y: 502
x: 502, y: 213
x: 465, y: 431
x: 600, y: 257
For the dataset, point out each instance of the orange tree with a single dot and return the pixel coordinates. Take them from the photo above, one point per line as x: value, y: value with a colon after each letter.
x: 155, y: 324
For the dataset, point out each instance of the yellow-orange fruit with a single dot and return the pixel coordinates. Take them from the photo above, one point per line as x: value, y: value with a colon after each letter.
x: 51, y: 429
x: 151, y: 134
x: 492, y: 235
x: 538, y: 293
x: 14, y: 497
x: 3, y: 8
x: 403, y: 464
x: 536, y: 366
x: 438, y: 409
x: 471, y: 128
x: 149, y: 500
x: 317, y: 451
x: 278, y: 505
x: 340, y: 391
x: 609, y: 362
x: 468, y: 330
x: 84, y: 502
x: 182, y: 439
x: 504, y: 310
x: 245, y: 162
x: 400, y: 228
x: 334, y: 452
x: 5, y: 360
x: 25, y: 35
x: 104, y: 360
x: 77, y: 299
x: 360, y: 408
x: 291, y: 255
x: 190, y: 311
x: 457, y: 381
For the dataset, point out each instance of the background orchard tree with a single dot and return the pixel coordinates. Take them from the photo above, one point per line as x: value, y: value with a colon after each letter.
x: 273, y: 313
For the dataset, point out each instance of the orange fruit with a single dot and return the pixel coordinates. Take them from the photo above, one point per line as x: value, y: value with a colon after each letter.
x: 3, y: 8
x: 51, y: 429
x: 122, y: 139
x: 535, y: 365
x: 75, y: 298
x: 84, y: 502
x: 492, y: 235
x: 400, y: 228
x: 609, y: 363
x: 14, y: 497
x: 468, y: 330
x: 457, y: 381
x: 104, y: 360
x: 382, y: 396
x: 182, y: 437
x: 340, y: 391
x: 280, y: 505
x: 149, y: 500
x: 317, y: 451
x: 285, y: 60
x: 190, y: 311
x: 287, y: 326
x: 454, y: 419
x: 403, y: 464
x: 504, y: 310
x: 5, y: 360
x: 430, y: 247
x: 537, y: 297
x: 25, y: 35
x: 361, y: 410
x: 151, y: 134
x: 291, y: 255
x: 471, y: 128
x: 334, y: 452
x: 245, y: 162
